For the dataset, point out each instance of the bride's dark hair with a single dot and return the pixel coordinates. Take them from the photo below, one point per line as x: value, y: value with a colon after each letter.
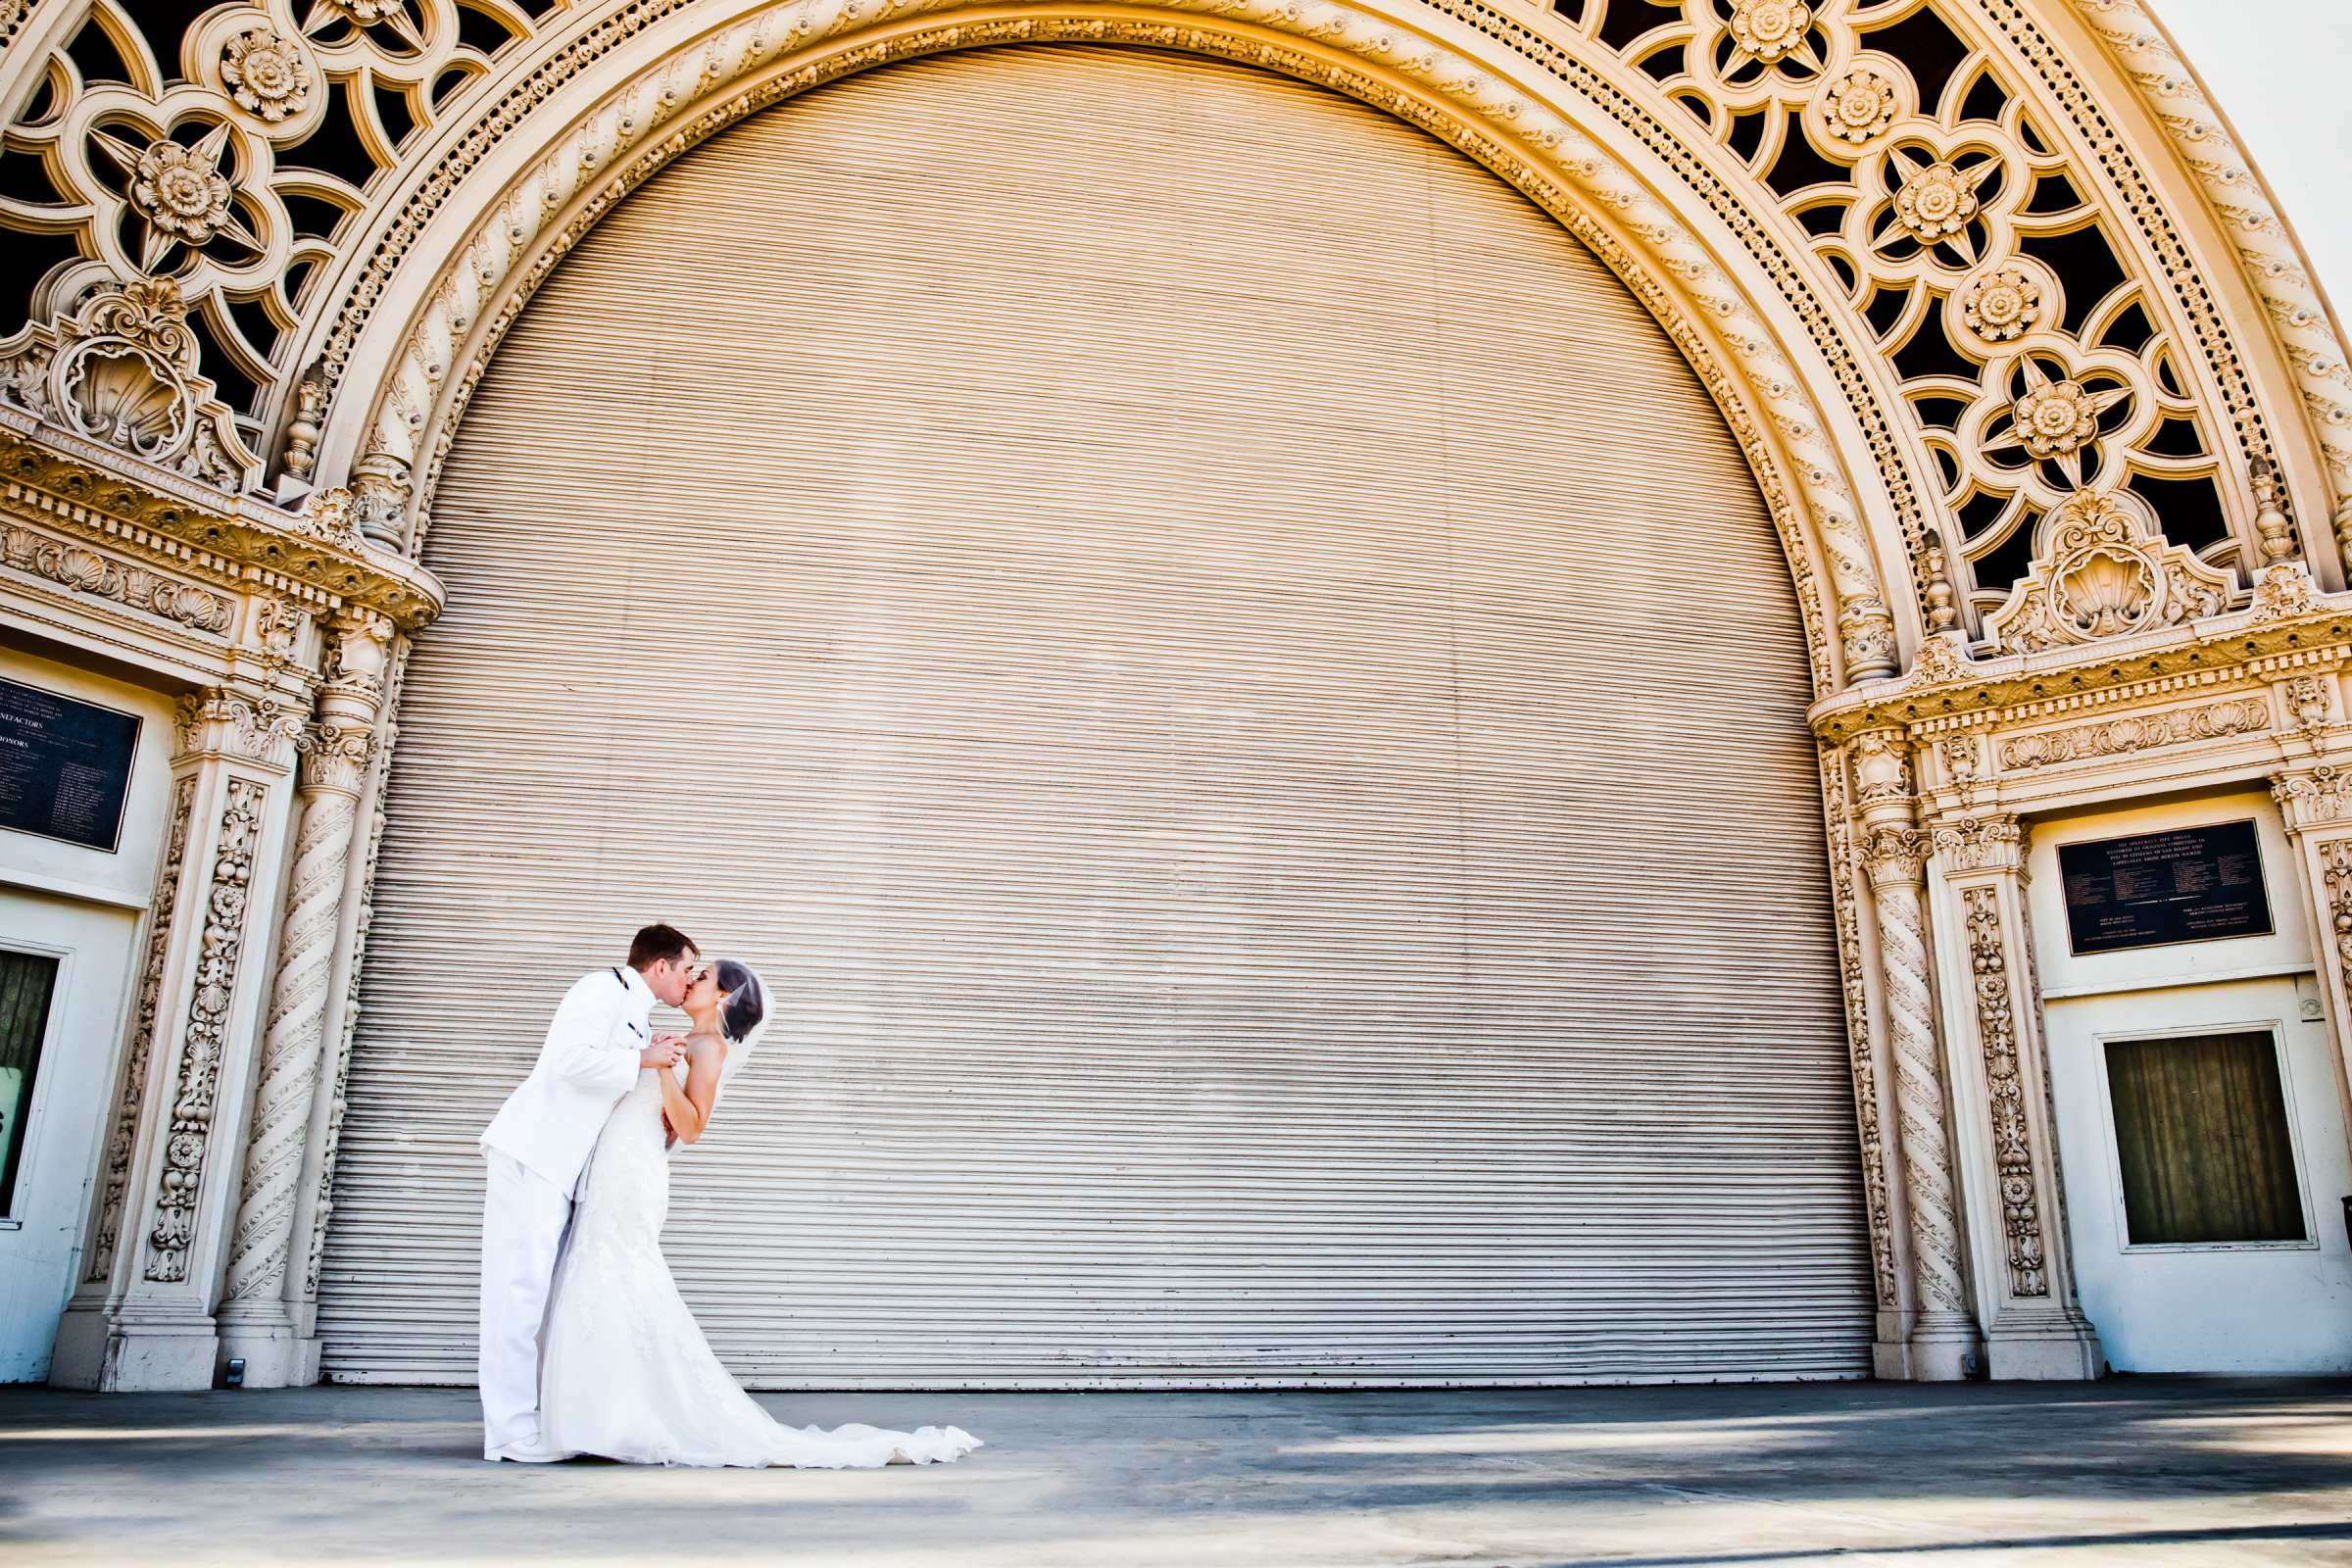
x: 747, y: 998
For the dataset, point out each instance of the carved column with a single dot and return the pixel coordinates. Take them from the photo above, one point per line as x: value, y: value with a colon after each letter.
x: 143, y: 1317
x: 1942, y: 1342
x: 260, y: 1320
x: 1870, y: 1060
x: 2316, y: 803
x: 2024, y: 1290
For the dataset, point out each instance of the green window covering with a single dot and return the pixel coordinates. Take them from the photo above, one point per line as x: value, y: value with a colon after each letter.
x: 2201, y: 1131
x: 26, y: 980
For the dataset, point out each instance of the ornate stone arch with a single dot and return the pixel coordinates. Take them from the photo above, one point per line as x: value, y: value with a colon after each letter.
x: 1445, y: 81
x: 1848, y: 214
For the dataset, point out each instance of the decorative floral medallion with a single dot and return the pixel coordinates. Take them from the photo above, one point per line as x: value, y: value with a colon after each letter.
x: 2055, y: 420
x: 266, y: 73
x: 178, y: 193
x: 1858, y: 105
x: 1937, y: 201
x: 2001, y: 305
x: 1770, y: 30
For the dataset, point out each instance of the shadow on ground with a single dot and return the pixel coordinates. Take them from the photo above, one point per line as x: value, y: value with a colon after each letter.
x: 2130, y: 1470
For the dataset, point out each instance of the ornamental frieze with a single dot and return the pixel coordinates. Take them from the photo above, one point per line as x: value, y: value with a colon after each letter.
x: 2118, y: 737
x: 168, y: 524
x: 83, y: 571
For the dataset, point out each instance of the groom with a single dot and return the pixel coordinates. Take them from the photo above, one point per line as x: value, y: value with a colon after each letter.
x: 537, y: 1145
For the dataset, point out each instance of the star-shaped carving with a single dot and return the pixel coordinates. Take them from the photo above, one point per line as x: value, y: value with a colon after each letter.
x: 1936, y: 203
x: 365, y: 13
x: 2055, y: 420
x: 180, y: 194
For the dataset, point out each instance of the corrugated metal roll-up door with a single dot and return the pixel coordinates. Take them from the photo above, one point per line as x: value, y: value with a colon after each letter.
x: 1240, y: 694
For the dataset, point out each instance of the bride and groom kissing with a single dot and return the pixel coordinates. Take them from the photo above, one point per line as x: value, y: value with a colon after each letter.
x: 587, y: 1349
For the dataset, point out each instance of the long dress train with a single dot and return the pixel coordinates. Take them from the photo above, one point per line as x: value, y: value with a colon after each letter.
x: 625, y: 1372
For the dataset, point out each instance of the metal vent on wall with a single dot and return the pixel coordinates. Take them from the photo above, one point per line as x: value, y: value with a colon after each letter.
x: 1242, y: 698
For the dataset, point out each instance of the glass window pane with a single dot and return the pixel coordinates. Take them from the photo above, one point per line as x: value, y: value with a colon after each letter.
x: 2201, y: 1131
x: 25, y: 981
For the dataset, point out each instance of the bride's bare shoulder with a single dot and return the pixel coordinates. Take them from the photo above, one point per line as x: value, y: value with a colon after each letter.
x: 707, y: 1044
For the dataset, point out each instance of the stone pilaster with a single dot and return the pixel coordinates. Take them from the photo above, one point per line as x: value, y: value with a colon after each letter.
x: 261, y: 1321
x: 1871, y: 1063
x: 1943, y: 1341
x: 2317, y: 806
x: 143, y: 1317
x: 2034, y: 1327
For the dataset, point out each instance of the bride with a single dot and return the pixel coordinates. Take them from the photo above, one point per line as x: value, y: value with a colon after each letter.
x: 625, y: 1372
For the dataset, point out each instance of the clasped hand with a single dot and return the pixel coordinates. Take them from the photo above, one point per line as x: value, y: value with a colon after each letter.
x: 665, y: 1052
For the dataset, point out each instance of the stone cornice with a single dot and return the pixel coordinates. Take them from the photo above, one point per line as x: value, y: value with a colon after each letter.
x: 1943, y: 692
x: 176, y: 524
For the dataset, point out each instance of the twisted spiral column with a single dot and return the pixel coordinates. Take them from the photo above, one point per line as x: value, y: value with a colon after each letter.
x: 260, y: 1319
x: 1943, y: 1336
x: 297, y: 1022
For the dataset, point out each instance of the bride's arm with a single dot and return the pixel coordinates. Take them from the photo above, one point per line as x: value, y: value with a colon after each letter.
x: 687, y: 1106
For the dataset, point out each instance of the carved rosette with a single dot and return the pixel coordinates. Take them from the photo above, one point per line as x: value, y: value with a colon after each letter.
x: 2012, y: 1132
x: 122, y: 1139
x: 205, y: 1040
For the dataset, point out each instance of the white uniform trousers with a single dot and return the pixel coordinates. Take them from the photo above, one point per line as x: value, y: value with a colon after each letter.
x: 523, y: 1217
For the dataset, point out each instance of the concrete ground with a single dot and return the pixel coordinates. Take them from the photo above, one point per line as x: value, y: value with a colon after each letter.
x: 2131, y: 1471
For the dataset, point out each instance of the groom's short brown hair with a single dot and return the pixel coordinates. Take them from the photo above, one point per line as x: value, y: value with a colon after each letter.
x: 657, y: 942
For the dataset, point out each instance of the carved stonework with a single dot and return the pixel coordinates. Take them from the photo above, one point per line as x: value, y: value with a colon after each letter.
x: 121, y: 369
x: 1962, y: 766
x: 2308, y: 703
x: 334, y: 757
x: 334, y: 764
x: 2104, y: 571
x: 358, y: 656
x: 2012, y: 1132
x: 1978, y: 844
x: 2118, y: 737
x: 2311, y: 800
x: 331, y: 515
x: 324, y: 1207
x: 204, y: 1042
x: 87, y: 572
x: 233, y: 542
x: 1881, y: 771
x: 122, y: 1140
x: 2335, y: 872
x: 1894, y: 857
x: 223, y: 722
x: 2283, y: 592
x: 1854, y: 983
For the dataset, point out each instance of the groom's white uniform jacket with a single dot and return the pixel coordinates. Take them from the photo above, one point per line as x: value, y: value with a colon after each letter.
x: 550, y: 1123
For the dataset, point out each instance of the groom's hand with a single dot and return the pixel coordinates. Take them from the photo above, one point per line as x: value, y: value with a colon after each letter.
x: 662, y: 1052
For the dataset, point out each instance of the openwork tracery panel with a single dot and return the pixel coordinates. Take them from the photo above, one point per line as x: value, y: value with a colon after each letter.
x: 233, y: 150
x: 2034, y: 354
x: 2008, y: 305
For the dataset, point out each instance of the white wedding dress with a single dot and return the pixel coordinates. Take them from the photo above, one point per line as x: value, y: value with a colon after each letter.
x: 624, y: 1371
